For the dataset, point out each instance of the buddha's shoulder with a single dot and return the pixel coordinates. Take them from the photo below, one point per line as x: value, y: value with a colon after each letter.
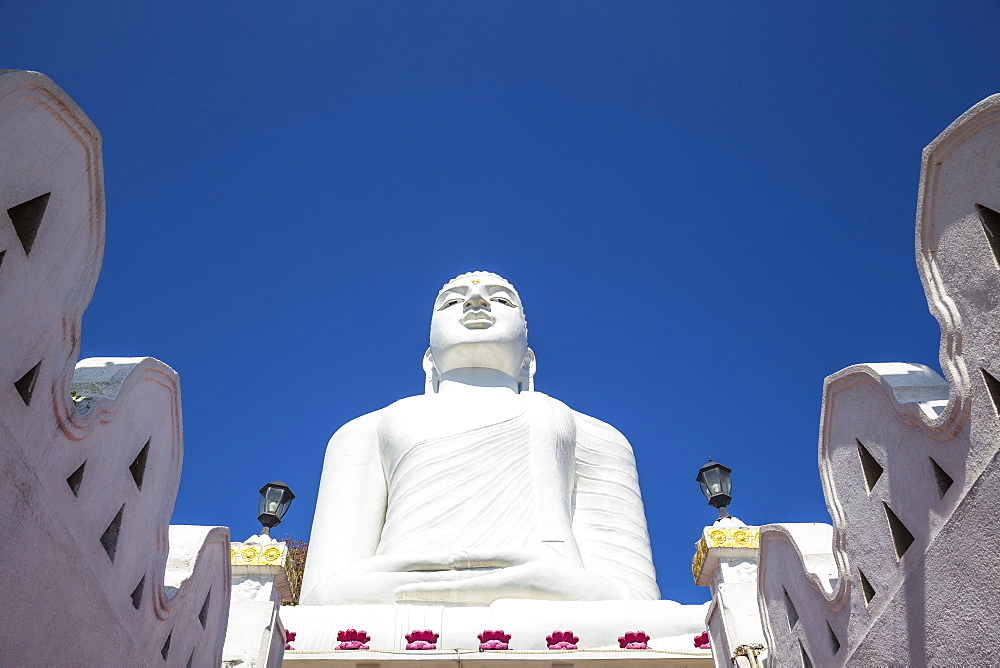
x: 409, y: 409
x: 536, y: 400
x: 430, y: 406
x: 414, y: 404
x: 586, y: 426
x: 367, y: 423
x: 371, y: 420
x: 599, y: 434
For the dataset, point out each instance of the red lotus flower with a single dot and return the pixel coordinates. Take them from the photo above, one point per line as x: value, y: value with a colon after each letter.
x: 634, y: 640
x: 289, y: 635
x: 562, y: 640
x: 425, y: 639
x: 352, y: 639
x: 350, y: 635
x: 493, y: 640
x: 701, y: 641
x: 288, y: 645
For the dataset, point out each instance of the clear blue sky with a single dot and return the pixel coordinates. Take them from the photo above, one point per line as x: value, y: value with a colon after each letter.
x: 706, y: 207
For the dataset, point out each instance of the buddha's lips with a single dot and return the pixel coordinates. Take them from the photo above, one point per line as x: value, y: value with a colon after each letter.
x: 478, y: 318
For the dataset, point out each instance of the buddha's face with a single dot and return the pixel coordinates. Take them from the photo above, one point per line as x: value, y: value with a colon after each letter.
x: 478, y: 321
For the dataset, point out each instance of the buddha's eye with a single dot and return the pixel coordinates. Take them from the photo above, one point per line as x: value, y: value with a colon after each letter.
x: 450, y: 302
x: 503, y: 300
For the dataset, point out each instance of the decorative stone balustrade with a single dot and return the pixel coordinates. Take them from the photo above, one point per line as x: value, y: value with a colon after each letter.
x: 92, y: 449
x: 909, y: 461
x: 736, y: 541
x: 274, y: 561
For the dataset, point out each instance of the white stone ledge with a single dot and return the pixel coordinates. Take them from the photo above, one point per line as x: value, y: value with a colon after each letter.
x: 670, y: 625
x: 509, y: 659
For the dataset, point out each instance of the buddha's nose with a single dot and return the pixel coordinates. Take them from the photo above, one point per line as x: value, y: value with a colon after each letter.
x: 476, y: 301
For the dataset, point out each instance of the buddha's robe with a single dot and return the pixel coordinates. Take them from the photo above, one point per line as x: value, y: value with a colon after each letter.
x: 473, y: 490
x: 544, y: 477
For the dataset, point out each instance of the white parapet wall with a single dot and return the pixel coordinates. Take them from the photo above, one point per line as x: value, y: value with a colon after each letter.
x: 908, y: 460
x: 93, y: 575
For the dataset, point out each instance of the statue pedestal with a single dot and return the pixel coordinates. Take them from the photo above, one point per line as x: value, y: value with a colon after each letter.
x: 633, y: 658
x: 598, y: 624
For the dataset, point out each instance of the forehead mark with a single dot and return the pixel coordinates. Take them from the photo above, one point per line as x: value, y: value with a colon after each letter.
x: 493, y: 285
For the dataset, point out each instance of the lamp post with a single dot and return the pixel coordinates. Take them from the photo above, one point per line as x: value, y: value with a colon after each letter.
x: 726, y: 560
x: 716, y: 483
x: 275, y: 497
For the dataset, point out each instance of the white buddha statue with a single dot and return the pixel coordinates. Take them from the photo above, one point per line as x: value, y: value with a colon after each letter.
x: 480, y: 489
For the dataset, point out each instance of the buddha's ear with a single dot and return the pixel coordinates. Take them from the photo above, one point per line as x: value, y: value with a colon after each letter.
x: 433, y: 377
x: 526, y: 379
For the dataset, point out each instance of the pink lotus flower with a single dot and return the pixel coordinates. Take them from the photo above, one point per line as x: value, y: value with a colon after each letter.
x: 634, y: 640
x: 425, y: 639
x: 351, y: 639
x: 562, y: 640
x: 289, y: 635
x: 701, y: 641
x: 493, y: 640
x: 288, y: 645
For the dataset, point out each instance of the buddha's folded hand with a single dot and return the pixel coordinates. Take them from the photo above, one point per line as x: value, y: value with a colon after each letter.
x: 487, y: 577
x: 376, y: 579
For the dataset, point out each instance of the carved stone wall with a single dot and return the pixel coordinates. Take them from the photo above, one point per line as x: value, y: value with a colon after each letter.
x: 909, y: 461
x: 92, y: 574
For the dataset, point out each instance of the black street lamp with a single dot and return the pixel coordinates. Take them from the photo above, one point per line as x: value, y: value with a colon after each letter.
x: 275, y: 497
x: 716, y: 483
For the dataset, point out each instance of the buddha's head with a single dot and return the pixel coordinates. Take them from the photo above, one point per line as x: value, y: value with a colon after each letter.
x: 478, y: 322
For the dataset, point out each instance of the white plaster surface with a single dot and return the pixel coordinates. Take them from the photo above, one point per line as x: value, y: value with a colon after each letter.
x: 459, y: 658
x: 597, y: 623
x: 934, y: 605
x: 260, y: 540
x: 255, y: 637
x: 733, y: 617
x: 729, y: 523
x: 74, y: 604
x: 255, y: 588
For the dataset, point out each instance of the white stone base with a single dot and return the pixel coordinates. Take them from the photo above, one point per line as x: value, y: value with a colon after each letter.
x: 598, y: 624
x: 638, y: 658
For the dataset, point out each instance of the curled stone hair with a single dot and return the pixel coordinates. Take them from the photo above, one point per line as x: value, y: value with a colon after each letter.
x: 477, y: 273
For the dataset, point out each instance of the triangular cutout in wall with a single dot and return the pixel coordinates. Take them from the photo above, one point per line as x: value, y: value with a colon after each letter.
x: 25, y: 385
x: 109, y: 539
x: 138, y: 466
x: 901, y: 536
x: 75, y: 479
x: 991, y: 227
x: 866, y: 587
x: 869, y: 465
x: 27, y: 218
x: 993, y: 386
x: 944, y: 481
